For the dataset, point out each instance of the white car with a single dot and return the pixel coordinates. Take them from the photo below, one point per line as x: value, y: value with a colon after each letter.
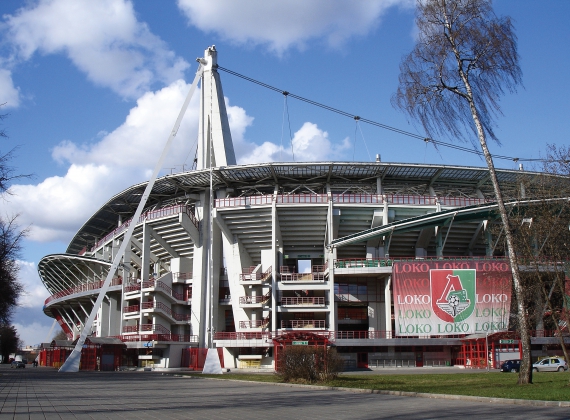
x: 550, y: 364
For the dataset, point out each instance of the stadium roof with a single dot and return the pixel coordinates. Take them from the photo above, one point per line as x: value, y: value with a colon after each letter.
x: 396, y: 178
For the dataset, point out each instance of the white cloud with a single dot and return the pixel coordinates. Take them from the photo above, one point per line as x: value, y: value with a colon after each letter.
x: 35, y: 293
x: 9, y: 94
x: 310, y: 143
x: 102, y: 38
x: 57, y: 206
x: 285, y: 24
x: 140, y: 139
x: 33, y: 333
x: 30, y: 321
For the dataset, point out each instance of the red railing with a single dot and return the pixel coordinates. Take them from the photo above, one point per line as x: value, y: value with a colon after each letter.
x: 258, y: 276
x: 130, y: 328
x: 155, y: 328
x: 418, y: 200
x: 461, y: 201
x: 358, y: 198
x: 302, y: 301
x: 149, y: 215
x: 285, y: 277
x: 258, y: 323
x: 303, y: 323
x: 253, y: 335
x: 157, y: 284
x: 158, y: 337
x: 388, y: 262
x: 181, y: 276
x: 161, y: 306
x: 320, y: 268
x: 549, y: 333
x: 361, y: 335
x: 344, y: 335
x: 132, y: 288
x: 409, y: 199
x: 131, y: 308
x: 317, y: 273
x: 250, y: 300
x: 87, y: 287
x: 363, y: 262
x: 253, y: 200
x: 302, y: 199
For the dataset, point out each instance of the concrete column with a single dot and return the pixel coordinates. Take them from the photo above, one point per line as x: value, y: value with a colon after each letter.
x: 382, y: 250
x: 388, y: 305
x: 438, y: 243
x: 488, y: 242
x: 200, y: 271
x: 145, y: 269
x: 276, y: 246
x: 379, y: 189
x: 332, y: 321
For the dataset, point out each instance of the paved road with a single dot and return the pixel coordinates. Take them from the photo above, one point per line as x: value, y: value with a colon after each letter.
x: 42, y: 393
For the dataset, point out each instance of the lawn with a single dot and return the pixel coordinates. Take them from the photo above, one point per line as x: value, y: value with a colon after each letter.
x: 547, y: 386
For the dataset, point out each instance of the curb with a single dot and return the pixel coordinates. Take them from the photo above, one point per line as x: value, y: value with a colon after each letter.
x: 495, y: 400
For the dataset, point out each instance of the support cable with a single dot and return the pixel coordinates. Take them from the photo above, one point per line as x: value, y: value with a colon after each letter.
x: 285, y: 94
x: 282, y: 127
x: 363, y: 139
x: 378, y: 124
x: 354, y: 143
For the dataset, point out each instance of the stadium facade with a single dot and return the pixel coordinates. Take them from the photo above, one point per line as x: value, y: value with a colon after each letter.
x: 392, y: 263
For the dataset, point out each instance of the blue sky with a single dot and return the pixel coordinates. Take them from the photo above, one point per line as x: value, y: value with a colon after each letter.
x: 93, y: 88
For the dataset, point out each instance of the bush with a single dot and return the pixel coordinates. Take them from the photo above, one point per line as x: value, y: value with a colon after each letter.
x: 309, y: 364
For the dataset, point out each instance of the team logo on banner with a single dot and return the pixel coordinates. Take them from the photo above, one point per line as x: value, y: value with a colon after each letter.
x: 453, y: 294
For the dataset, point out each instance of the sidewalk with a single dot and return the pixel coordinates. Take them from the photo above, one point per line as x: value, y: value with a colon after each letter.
x: 43, y: 393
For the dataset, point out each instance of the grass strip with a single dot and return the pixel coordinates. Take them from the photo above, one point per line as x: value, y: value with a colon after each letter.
x: 546, y: 386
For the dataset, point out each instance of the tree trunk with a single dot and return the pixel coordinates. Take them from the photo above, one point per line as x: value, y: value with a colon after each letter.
x: 525, y: 376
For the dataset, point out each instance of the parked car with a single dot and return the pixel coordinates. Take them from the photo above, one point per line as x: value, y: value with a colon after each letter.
x: 511, y: 366
x: 18, y: 364
x: 550, y: 364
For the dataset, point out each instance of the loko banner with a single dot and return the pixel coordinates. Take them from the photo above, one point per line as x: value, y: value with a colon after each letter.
x: 451, y: 297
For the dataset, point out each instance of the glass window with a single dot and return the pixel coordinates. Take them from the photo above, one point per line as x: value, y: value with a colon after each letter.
x: 304, y: 266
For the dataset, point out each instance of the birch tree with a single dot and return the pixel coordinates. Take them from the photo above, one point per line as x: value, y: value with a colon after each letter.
x: 465, y: 58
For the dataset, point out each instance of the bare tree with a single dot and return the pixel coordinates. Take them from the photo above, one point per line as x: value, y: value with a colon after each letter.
x: 61, y: 335
x: 9, y: 341
x: 10, y: 242
x: 7, y: 172
x: 10, y: 247
x: 541, y: 243
x: 464, y: 60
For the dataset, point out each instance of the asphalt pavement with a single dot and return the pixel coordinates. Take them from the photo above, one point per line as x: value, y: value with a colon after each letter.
x: 43, y: 393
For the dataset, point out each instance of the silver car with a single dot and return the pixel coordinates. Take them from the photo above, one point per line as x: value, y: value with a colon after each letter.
x: 550, y: 364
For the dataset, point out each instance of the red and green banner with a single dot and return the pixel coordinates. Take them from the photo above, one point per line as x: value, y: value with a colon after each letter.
x: 451, y: 297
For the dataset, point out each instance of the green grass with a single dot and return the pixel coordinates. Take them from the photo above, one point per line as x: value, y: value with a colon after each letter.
x: 547, y: 386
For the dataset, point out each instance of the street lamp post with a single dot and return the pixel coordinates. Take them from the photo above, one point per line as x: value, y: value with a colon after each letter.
x: 487, y: 349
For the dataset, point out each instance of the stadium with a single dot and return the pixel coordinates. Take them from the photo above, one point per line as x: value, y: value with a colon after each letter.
x: 394, y: 264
